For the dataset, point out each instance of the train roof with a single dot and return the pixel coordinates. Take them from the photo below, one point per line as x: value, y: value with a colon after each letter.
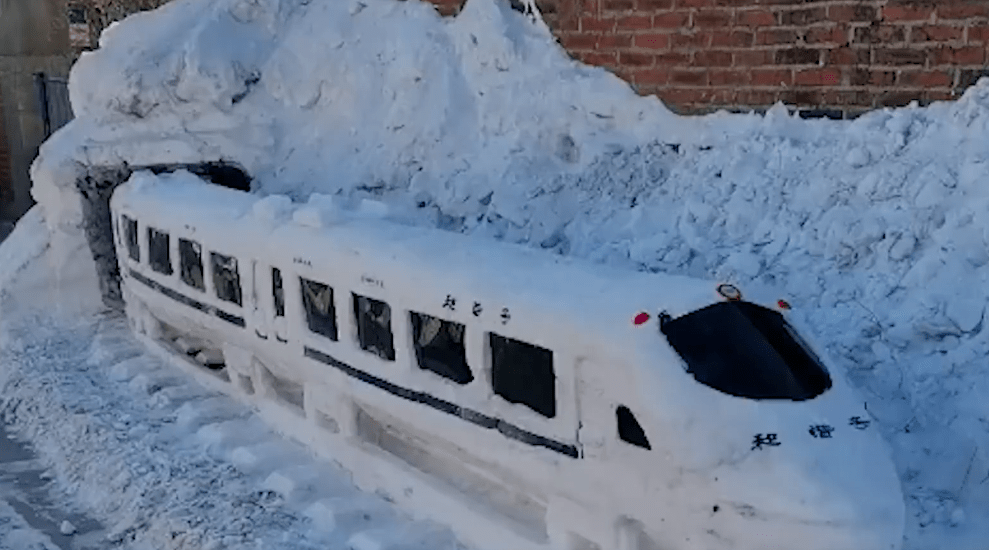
x: 573, y: 291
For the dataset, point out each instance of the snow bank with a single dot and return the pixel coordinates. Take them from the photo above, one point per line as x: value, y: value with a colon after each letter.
x: 874, y: 229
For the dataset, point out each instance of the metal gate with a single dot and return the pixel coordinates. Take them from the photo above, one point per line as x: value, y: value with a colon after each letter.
x: 53, y: 102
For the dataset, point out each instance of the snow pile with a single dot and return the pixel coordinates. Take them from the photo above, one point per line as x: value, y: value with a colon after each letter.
x: 874, y: 229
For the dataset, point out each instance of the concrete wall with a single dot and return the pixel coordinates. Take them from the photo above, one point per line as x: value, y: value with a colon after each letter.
x: 33, y: 38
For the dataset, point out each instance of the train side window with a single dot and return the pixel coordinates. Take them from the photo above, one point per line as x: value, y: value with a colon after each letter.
x: 159, y: 252
x: 130, y: 234
x: 439, y: 347
x: 278, y: 291
x: 317, y: 301
x: 226, y: 278
x: 191, y: 264
x: 523, y: 373
x: 629, y: 429
x: 374, y: 327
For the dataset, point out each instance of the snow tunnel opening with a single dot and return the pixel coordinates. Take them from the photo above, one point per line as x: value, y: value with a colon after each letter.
x: 96, y: 187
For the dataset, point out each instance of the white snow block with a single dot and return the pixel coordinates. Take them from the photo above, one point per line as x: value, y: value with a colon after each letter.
x: 258, y: 457
x: 351, y: 513
x: 67, y: 528
x: 185, y: 345
x: 209, y: 357
x: 415, y: 536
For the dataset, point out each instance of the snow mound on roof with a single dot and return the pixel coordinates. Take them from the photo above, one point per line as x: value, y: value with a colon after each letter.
x: 875, y: 229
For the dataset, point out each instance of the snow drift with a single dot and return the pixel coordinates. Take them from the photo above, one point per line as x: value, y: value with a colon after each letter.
x: 874, y: 229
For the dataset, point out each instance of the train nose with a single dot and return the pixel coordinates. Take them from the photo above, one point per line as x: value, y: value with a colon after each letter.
x: 832, y: 493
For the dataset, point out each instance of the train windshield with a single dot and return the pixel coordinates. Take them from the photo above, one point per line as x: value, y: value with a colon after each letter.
x: 746, y: 350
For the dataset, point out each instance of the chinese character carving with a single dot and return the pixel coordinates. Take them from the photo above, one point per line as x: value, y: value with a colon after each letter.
x: 450, y: 303
x: 858, y: 423
x: 768, y: 440
x: 822, y: 431
x: 476, y: 310
x: 505, y: 316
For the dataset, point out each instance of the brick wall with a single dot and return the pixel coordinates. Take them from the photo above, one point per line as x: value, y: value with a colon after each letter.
x: 825, y: 57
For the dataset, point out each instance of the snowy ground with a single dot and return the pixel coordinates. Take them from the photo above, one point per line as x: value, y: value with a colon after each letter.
x: 158, y: 459
x: 876, y: 229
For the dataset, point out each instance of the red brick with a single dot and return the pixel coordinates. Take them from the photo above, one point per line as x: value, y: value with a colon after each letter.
x: 670, y: 59
x: 696, y: 40
x: 847, y: 56
x: 681, y: 96
x: 694, y: 3
x: 595, y: 24
x: 579, y: 41
x: 900, y: 56
x: 897, y: 98
x: 966, y: 55
x: 936, y: 33
x: 959, y: 10
x: 937, y: 95
x: 712, y: 19
x: 797, y: 56
x: 979, y: 33
x: 844, y: 98
x: 756, y: 18
x: 712, y: 58
x: 653, y: 41
x: 752, y: 58
x: 606, y: 59
x: 617, y: 5
x: 803, y: 16
x: 926, y: 79
x: 690, y: 78
x: 635, y: 59
x: 733, y: 39
x: 611, y: 41
x: 729, y: 78
x: 772, y: 77
x: 672, y: 20
x: 756, y: 98
x: 818, y: 77
x: 826, y: 35
x: 882, y: 78
x: 878, y: 34
x: 588, y: 7
x: 653, y: 77
x: 652, y: 5
x: 775, y: 36
x: 563, y: 24
x: 908, y: 12
x: 635, y: 22
x: 847, y: 14
x: 807, y: 98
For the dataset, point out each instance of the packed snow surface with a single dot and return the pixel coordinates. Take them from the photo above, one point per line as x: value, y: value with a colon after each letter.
x: 875, y: 230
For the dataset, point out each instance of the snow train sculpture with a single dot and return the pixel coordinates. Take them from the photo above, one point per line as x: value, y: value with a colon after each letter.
x: 526, y: 400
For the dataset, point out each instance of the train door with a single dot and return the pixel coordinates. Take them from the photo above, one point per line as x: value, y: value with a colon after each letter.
x: 618, y: 440
x: 269, y: 302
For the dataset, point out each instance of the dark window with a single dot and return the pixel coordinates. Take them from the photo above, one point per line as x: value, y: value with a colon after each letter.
x: 629, y: 429
x: 746, y: 350
x: 159, y: 252
x: 77, y: 14
x: 317, y: 301
x: 130, y: 235
x: 191, y: 264
x: 278, y: 292
x: 374, y: 327
x: 523, y: 373
x: 439, y: 347
x: 226, y: 278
